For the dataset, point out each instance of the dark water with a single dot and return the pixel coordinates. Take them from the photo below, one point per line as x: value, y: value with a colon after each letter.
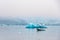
x: 21, y: 33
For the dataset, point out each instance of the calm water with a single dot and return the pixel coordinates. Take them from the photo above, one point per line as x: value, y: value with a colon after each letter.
x: 21, y: 33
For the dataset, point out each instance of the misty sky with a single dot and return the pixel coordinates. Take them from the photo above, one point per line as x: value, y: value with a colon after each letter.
x: 29, y: 8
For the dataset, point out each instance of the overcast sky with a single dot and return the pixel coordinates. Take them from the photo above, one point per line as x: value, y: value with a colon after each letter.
x: 29, y: 8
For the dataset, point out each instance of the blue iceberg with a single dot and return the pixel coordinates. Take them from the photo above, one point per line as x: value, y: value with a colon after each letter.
x: 32, y: 26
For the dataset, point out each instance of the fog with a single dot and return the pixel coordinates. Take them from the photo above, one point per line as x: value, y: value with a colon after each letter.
x: 30, y: 8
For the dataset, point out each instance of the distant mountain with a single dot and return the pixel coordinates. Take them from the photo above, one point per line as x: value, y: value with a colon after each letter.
x: 24, y: 21
x: 12, y: 21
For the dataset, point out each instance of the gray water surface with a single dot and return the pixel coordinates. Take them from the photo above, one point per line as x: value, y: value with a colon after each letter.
x: 21, y: 33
